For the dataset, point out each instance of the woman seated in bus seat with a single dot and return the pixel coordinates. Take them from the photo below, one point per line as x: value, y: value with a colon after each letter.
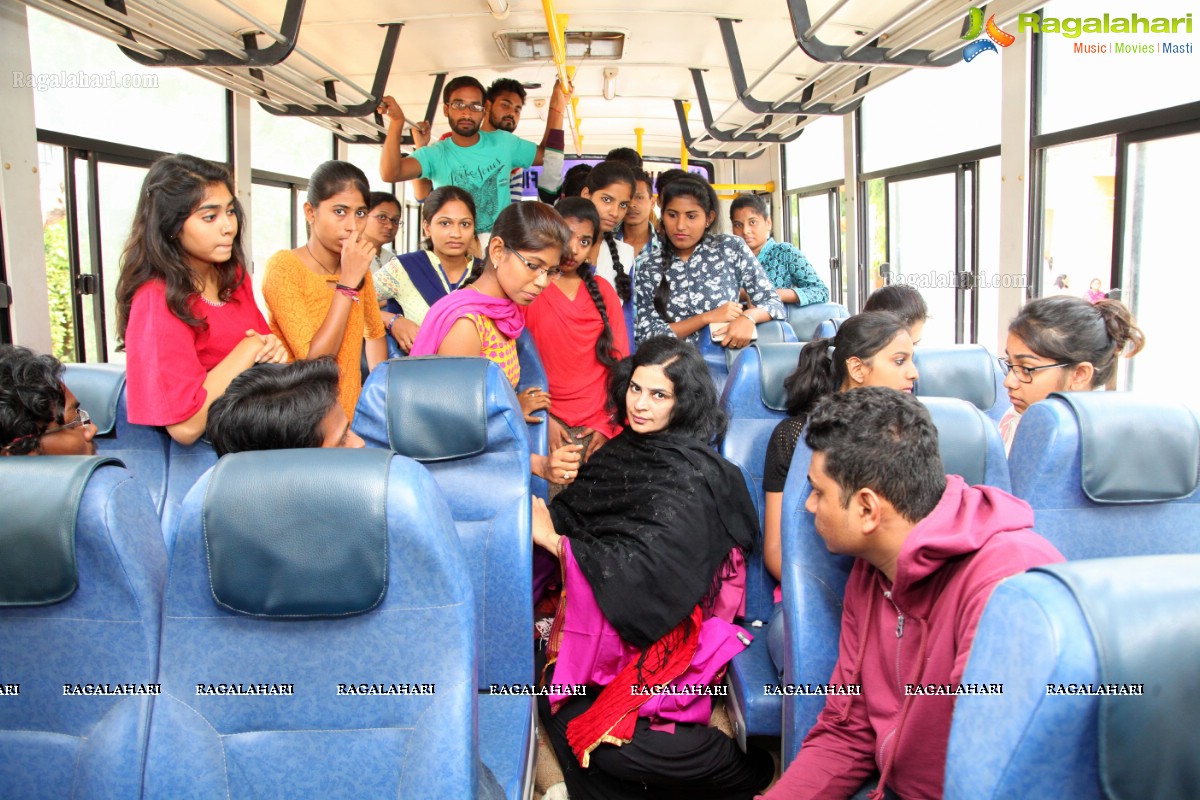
x: 699, y: 275
x: 905, y: 302
x: 383, y: 223
x: 321, y: 296
x: 483, y: 318
x: 39, y: 416
x: 1063, y: 344
x: 410, y: 283
x: 649, y: 598
x: 794, y: 279
x: 610, y: 187
x: 577, y: 325
x: 186, y: 314
x: 873, y: 348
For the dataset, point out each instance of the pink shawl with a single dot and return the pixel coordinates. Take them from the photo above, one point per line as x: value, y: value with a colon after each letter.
x: 445, y: 312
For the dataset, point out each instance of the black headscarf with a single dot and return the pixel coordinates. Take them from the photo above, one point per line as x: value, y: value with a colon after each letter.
x: 651, y: 520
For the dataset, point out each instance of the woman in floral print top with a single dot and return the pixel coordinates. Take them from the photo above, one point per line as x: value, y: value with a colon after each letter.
x: 700, y: 275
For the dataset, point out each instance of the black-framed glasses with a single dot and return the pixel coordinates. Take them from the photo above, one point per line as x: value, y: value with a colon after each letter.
x: 553, y: 273
x: 384, y: 219
x: 1025, y: 374
x: 459, y: 105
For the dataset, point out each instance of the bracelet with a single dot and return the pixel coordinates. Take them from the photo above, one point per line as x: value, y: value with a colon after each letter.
x: 348, y: 291
x: 391, y: 322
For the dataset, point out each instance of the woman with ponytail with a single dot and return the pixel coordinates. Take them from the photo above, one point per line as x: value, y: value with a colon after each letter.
x: 870, y: 349
x: 610, y: 187
x: 580, y: 336
x: 1063, y: 344
x: 700, y: 275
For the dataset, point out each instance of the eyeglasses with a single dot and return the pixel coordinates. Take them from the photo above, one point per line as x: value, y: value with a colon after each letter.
x: 459, y: 105
x: 384, y: 219
x: 1025, y: 374
x: 81, y: 418
x: 553, y: 273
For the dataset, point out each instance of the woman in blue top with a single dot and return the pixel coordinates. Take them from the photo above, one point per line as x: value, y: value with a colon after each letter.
x: 700, y: 275
x: 794, y: 279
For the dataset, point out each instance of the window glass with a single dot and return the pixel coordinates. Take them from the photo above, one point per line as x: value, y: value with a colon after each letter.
x: 929, y: 113
x: 817, y: 156
x: 270, y: 230
x: 82, y: 78
x: 921, y: 241
x: 366, y: 158
x: 1081, y: 87
x: 1078, y: 215
x: 119, y: 187
x: 812, y: 225
x: 287, y: 145
x: 989, y: 283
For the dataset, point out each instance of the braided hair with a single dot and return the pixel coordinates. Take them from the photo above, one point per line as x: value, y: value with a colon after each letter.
x: 583, y: 210
x: 606, y: 173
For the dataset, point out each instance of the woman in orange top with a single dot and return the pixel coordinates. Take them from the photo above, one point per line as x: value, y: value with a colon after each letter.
x: 313, y: 292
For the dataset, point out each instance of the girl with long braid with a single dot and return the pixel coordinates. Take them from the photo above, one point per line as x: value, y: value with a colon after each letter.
x: 580, y: 336
x: 610, y: 186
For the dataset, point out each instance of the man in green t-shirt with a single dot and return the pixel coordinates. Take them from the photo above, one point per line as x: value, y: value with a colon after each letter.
x: 472, y: 159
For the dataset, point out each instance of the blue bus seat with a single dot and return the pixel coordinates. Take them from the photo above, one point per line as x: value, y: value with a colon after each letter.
x: 828, y: 328
x: 533, y: 374
x: 721, y: 359
x: 814, y: 580
x: 966, y: 371
x: 1110, y: 474
x: 805, y: 319
x: 82, y: 570
x: 100, y: 389
x: 1102, y: 621
x: 185, y: 464
x: 754, y: 410
x: 772, y: 331
x: 307, y: 572
x: 460, y: 417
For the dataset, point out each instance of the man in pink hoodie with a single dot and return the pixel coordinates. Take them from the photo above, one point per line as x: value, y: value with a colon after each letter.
x: 929, y: 550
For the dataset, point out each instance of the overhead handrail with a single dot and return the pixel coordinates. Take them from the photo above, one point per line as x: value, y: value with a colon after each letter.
x: 710, y: 127
x: 285, y: 39
x: 66, y: 13
x: 862, y: 52
x: 690, y: 143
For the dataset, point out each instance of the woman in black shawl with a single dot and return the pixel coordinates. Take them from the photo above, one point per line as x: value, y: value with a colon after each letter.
x: 651, y: 537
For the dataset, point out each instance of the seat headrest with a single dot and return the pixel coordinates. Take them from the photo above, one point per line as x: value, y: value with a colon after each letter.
x: 298, y: 534
x: 1134, y: 450
x: 437, y: 407
x: 776, y: 363
x: 805, y: 319
x: 965, y: 371
x: 1144, y: 617
x: 962, y: 437
x: 37, y: 529
x: 828, y: 328
x: 98, y: 389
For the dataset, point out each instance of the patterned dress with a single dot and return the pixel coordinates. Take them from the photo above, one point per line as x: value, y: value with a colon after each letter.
x: 495, y: 346
x: 787, y: 268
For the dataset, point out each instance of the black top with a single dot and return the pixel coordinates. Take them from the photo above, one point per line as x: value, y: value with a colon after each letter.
x: 779, y: 453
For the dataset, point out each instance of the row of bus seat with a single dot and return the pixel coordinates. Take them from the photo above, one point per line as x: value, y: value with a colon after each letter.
x: 458, y: 416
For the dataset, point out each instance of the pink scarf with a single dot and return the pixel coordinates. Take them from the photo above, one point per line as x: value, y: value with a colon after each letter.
x: 445, y: 312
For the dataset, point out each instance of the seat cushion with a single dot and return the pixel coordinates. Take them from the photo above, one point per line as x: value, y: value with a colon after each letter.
x: 506, y: 743
x: 754, y: 711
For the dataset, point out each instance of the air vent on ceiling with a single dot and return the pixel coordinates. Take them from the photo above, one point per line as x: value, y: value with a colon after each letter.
x: 581, y: 45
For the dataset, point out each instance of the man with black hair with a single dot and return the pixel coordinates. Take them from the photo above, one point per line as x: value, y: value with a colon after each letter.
x: 929, y: 549
x: 39, y: 416
x: 473, y: 157
x: 627, y: 156
x: 280, y: 407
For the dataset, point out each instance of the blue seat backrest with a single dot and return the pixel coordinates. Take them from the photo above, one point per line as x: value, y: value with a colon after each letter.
x: 966, y: 371
x: 100, y: 388
x: 720, y: 359
x: 1130, y: 454
x: 1123, y: 622
x: 814, y: 580
x: 533, y: 374
x: 751, y: 422
x: 805, y: 319
x: 772, y: 331
x: 417, y: 643
x: 412, y: 406
x: 55, y: 745
x: 185, y: 464
x: 828, y: 328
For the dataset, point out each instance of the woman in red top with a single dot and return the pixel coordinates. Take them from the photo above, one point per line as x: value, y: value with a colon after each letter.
x: 185, y: 311
x: 580, y: 337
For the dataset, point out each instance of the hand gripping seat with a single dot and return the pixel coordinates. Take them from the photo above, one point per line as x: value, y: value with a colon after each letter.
x: 1056, y: 637
x: 805, y: 319
x: 318, y: 637
x: 1110, y: 474
x: 82, y: 570
x: 100, y: 389
x: 814, y: 580
x: 966, y: 371
x: 460, y: 417
x: 755, y: 400
x: 720, y: 359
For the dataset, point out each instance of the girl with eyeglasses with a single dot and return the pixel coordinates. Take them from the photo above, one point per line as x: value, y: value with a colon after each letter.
x: 383, y: 224
x: 321, y: 295
x: 409, y: 284
x: 39, y: 416
x: 186, y: 314
x: 484, y: 318
x: 1063, y: 344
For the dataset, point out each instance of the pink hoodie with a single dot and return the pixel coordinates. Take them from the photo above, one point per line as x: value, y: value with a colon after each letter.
x: 915, y: 632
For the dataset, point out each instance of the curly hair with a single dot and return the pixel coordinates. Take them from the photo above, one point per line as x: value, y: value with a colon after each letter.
x: 32, y: 397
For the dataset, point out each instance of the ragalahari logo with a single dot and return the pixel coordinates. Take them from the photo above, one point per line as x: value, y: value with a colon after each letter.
x: 975, y: 27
